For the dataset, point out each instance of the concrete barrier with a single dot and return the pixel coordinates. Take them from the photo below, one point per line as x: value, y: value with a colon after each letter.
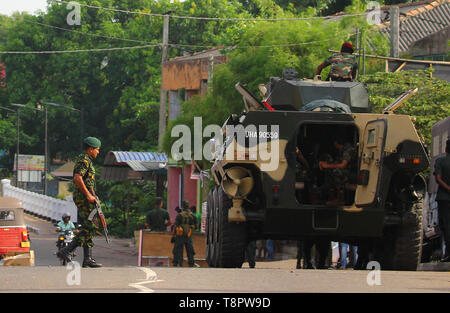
x: 39, y: 205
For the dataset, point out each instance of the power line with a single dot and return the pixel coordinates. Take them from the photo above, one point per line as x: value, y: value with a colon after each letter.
x: 87, y: 34
x: 160, y: 45
x: 211, y: 18
x: 259, y: 46
x: 81, y: 50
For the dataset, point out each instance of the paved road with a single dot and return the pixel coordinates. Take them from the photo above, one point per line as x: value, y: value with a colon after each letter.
x: 210, y: 280
x: 120, y: 274
x: 121, y: 252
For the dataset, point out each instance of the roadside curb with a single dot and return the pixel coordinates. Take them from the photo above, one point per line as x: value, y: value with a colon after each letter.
x: 33, y: 229
x: 436, y: 267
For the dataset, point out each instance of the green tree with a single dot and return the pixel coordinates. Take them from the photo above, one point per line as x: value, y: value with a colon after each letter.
x: 429, y: 105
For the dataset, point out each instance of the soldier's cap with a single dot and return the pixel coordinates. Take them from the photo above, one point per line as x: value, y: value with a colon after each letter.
x: 348, y: 45
x: 92, y: 142
x: 185, y: 204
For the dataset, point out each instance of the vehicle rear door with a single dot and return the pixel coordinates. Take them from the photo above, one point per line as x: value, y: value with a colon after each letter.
x: 371, y: 162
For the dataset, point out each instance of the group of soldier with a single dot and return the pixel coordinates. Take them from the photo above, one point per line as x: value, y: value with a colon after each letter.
x: 158, y: 219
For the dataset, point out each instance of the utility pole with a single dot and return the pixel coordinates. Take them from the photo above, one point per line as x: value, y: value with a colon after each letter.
x: 82, y: 127
x: 357, y: 51
x: 68, y: 108
x: 46, y: 150
x: 210, y: 72
x: 18, y: 145
x: 394, y: 28
x: 163, y: 95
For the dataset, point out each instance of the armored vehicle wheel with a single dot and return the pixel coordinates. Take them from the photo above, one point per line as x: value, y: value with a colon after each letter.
x: 231, y: 238
x: 402, y: 247
x: 210, y: 229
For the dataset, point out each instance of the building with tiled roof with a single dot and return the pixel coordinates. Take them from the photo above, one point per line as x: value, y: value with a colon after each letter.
x: 419, y: 20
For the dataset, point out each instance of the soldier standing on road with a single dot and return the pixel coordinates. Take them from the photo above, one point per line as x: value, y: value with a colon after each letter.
x: 442, y: 173
x: 308, y: 244
x: 184, y: 227
x: 250, y: 252
x: 343, y: 64
x: 158, y: 218
x: 85, y: 200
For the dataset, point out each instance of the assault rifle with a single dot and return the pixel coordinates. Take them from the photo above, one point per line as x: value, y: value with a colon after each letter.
x: 98, y: 210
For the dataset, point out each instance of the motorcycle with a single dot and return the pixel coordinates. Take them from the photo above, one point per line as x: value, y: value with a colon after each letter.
x: 63, y: 240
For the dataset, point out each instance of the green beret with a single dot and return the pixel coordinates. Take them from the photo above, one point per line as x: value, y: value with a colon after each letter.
x: 92, y: 142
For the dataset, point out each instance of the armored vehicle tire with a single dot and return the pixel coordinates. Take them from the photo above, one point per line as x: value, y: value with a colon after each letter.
x: 403, y: 246
x: 209, y: 229
x: 211, y: 238
x: 232, y: 237
x: 228, y: 240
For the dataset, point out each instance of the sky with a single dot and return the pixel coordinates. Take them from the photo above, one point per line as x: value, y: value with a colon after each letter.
x: 7, y: 7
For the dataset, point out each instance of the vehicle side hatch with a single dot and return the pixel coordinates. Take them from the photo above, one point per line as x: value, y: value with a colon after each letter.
x: 372, y: 152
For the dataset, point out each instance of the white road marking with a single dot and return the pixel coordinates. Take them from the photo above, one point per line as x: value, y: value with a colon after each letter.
x: 151, y: 278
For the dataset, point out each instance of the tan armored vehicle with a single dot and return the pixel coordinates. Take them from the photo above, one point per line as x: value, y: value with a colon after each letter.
x: 262, y: 190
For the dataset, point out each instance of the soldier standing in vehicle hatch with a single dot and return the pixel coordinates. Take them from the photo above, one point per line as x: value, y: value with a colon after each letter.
x: 343, y: 64
x: 338, y: 172
x: 85, y: 200
x: 442, y: 174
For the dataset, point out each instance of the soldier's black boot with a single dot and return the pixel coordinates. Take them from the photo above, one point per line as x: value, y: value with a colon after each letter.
x: 64, y: 253
x: 446, y: 257
x: 88, y: 261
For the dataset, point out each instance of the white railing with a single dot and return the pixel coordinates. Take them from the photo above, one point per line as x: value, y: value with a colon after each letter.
x: 40, y: 205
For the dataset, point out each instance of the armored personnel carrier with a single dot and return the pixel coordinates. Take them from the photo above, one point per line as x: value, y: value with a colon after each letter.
x: 265, y: 190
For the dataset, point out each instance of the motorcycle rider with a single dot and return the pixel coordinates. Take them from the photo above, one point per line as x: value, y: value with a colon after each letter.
x: 63, y: 225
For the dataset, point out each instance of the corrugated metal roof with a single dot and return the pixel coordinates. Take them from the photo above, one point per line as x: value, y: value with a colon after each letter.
x: 127, y: 165
x: 124, y: 156
x: 115, y: 157
x: 421, y: 22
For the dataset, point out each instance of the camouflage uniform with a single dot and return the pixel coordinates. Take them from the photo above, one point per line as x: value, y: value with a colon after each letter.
x: 336, y: 178
x: 185, y: 221
x: 156, y: 219
x: 84, y: 166
x: 341, y: 175
x: 342, y: 66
